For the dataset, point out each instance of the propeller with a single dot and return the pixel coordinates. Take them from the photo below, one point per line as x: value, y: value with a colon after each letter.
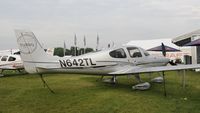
x: 164, y: 54
x: 163, y: 49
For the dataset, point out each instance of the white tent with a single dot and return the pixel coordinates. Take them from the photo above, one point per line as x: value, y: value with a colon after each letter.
x: 8, y: 51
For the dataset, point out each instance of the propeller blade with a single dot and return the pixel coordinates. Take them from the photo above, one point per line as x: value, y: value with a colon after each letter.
x: 164, y: 54
x: 163, y: 50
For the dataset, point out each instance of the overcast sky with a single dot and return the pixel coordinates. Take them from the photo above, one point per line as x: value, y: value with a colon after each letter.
x: 55, y: 21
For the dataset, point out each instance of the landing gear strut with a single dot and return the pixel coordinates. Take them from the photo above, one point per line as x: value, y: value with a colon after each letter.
x: 164, y: 88
x: 100, y: 78
x: 114, y: 79
x: 1, y: 72
x: 137, y: 77
x: 141, y: 85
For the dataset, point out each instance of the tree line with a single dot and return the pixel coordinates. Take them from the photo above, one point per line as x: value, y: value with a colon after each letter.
x: 73, y: 51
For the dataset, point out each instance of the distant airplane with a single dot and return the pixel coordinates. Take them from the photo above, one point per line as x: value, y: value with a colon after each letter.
x: 10, y: 62
x: 125, y: 60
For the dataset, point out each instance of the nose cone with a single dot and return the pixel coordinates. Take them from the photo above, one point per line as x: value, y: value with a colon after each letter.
x: 162, y: 60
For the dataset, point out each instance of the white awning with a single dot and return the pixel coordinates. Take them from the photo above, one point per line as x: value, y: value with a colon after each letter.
x: 186, y: 36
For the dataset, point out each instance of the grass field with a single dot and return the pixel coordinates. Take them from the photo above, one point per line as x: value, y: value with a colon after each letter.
x: 82, y: 94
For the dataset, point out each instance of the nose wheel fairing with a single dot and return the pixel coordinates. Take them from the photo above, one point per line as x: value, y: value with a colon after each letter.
x: 141, y: 86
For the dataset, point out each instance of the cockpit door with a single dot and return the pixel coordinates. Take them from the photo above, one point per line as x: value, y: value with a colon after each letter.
x: 136, y: 55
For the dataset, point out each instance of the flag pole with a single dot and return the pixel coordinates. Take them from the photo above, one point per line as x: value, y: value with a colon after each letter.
x: 97, y: 42
x: 84, y: 40
x: 75, y: 44
x: 64, y: 49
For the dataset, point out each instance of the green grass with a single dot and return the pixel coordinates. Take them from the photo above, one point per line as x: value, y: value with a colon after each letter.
x: 82, y: 94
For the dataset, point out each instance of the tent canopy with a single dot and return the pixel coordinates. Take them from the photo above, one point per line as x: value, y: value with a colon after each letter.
x: 167, y: 49
x: 193, y: 43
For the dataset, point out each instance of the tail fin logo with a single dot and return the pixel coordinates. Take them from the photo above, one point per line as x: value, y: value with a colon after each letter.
x: 27, y: 43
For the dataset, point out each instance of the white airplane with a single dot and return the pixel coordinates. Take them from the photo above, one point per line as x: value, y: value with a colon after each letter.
x: 125, y: 60
x: 10, y: 62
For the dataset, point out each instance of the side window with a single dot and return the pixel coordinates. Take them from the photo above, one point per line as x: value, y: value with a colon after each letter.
x: 11, y: 58
x: 134, y: 52
x: 119, y: 53
x: 4, y: 58
x: 145, y: 52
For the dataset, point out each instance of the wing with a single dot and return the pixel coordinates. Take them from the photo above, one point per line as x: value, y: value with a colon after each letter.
x: 136, y: 69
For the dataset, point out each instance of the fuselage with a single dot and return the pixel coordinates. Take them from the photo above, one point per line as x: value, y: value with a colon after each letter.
x: 102, y: 62
x: 10, y: 62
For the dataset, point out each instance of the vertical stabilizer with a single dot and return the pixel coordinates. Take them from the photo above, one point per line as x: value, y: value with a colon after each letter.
x: 30, y: 49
